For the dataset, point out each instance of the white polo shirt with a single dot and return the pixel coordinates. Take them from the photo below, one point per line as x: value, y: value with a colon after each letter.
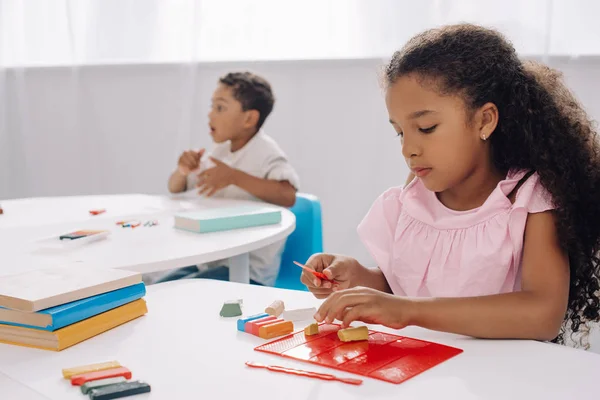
x: 263, y: 158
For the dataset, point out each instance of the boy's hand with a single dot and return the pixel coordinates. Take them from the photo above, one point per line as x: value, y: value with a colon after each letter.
x: 189, y: 161
x: 367, y: 305
x: 345, y: 271
x: 216, y: 178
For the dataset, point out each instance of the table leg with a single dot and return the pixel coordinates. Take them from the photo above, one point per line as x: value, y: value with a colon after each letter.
x: 239, y: 268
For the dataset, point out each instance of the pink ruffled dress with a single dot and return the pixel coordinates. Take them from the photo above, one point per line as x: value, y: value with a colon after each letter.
x: 427, y: 250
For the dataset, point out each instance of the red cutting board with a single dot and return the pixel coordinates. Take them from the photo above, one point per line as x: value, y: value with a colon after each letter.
x: 384, y: 356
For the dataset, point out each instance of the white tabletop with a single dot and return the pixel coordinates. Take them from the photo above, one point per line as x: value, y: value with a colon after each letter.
x: 143, y: 249
x: 182, y: 347
x: 11, y: 389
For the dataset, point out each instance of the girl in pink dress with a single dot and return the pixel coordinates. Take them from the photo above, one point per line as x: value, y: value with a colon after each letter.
x: 497, y: 234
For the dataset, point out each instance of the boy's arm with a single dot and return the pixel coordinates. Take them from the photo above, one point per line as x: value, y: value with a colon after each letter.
x: 188, y: 161
x: 281, y: 193
x: 177, y: 182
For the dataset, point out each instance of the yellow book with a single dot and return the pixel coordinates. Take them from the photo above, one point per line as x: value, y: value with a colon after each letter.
x: 75, y: 333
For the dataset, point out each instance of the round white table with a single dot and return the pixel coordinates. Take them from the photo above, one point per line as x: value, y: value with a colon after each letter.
x: 143, y: 249
x: 186, y: 351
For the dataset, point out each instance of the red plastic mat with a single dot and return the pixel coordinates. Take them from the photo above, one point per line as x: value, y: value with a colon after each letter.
x: 383, y: 356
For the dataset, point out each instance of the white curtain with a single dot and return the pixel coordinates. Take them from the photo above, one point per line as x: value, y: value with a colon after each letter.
x: 75, y: 32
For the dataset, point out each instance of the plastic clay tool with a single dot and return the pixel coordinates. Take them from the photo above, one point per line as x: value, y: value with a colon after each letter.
x: 308, y: 374
x: 319, y: 275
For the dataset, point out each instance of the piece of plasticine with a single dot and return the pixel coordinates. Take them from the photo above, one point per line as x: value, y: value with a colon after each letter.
x: 82, y: 369
x: 276, y: 308
x: 256, y: 327
x: 275, y: 329
x: 354, y: 334
x: 78, y: 380
x: 231, y: 308
x: 119, y: 390
x: 301, y: 314
x: 86, y: 387
x: 241, y: 323
x: 312, y: 329
x: 249, y: 327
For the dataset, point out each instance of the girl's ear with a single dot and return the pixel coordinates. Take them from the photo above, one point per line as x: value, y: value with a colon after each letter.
x: 486, y: 120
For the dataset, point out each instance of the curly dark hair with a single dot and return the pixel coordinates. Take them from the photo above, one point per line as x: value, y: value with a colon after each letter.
x: 541, y: 128
x: 253, y: 92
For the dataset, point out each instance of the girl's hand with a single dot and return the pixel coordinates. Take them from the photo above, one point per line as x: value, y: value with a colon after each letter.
x: 345, y: 271
x: 367, y: 305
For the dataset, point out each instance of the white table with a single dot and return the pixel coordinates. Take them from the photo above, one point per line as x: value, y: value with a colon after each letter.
x: 143, y: 249
x: 183, y: 348
x: 11, y: 389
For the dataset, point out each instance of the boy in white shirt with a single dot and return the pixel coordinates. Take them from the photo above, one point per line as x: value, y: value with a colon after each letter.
x: 246, y: 164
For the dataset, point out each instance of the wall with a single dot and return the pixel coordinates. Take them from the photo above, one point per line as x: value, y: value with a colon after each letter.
x: 120, y: 128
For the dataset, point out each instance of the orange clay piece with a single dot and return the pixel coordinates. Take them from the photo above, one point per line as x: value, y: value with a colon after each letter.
x: 276, y: 329
x: 251, y: 327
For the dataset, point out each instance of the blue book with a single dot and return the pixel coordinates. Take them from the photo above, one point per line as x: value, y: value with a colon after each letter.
x: 224, y: 219
x: 63, y: 315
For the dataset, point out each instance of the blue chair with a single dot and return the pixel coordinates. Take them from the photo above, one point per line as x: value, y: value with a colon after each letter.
x: 305, y: 241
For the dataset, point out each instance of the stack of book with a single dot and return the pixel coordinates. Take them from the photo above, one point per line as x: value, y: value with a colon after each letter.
x: 59, y: 307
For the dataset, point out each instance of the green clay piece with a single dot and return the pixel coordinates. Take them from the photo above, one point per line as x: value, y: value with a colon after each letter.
x: 231, y: 308
x: 86, y: 387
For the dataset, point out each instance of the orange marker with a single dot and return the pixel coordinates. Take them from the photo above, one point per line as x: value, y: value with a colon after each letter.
x: 97, y: 212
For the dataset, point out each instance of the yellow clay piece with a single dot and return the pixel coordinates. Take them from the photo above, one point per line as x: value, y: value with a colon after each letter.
x: 354, y: 334
x: 312, y: 329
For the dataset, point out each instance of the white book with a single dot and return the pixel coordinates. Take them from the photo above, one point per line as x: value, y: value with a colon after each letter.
x: 44, y: 288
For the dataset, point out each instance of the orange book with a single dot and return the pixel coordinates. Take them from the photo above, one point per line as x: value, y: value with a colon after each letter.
x: 75, y: 333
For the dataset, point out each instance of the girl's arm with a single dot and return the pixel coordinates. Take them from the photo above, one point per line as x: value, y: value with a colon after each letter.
x: 536, y: 312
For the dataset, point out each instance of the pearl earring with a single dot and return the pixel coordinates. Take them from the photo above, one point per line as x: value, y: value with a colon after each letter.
x: 484, y: 138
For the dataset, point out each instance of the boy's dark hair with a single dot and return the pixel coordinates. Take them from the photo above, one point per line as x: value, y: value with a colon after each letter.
x: 541, y: 127
x: 252, y: 91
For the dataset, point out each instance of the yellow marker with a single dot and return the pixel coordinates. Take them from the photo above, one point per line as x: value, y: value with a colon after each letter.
x: 353, y: 334
x: 312, y: 329
x: 69, y: 372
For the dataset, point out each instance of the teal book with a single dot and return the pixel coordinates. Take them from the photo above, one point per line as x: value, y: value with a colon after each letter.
x: 224, y: 219
x: 63, y: 315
